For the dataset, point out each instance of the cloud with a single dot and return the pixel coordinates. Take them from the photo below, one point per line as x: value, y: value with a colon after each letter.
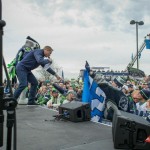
x: 92, y: 30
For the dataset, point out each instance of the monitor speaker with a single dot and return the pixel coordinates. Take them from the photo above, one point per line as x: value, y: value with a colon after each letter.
x: 130, y: 131
x: 75, y: 111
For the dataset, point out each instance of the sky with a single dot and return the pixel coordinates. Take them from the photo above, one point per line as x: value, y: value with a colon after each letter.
x: 98, y: 31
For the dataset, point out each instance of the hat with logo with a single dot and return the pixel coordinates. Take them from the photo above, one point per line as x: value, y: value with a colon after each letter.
x: 145, y: 94
x: 119, y: 81
x: 30, y: 42
x: 71, y: 92
x: 54, y: 90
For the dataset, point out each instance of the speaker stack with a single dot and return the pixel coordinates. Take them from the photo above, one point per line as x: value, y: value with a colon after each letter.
x: 75, y: 111
x: 130, y: 131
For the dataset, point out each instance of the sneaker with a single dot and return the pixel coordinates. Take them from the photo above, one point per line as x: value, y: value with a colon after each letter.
x: 32, y: 104
x: 23, y: 101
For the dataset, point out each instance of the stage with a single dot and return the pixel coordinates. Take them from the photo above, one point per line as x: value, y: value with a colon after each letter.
x: 38, y: 130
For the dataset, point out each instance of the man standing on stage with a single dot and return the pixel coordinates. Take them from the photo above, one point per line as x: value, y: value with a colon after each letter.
x: 23, y: 69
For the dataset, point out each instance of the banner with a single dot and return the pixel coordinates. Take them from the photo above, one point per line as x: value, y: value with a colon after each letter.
x: 93, y: 94
x: 132, y: 57
x: 62, y: 74
x: 147, y: 41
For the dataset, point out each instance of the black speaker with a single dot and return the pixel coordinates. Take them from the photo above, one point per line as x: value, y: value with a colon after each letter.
x: 75, y: 111
x: 130, y: 131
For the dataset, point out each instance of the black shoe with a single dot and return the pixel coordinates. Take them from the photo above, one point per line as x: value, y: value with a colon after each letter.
x: 32, y: 104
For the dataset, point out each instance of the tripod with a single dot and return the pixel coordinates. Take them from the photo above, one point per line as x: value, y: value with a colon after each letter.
x: 6, y: 103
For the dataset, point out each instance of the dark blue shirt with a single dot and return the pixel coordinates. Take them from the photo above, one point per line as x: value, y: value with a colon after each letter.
x: 33, y: 59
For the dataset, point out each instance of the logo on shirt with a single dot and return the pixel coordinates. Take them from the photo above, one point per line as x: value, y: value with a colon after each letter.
x: 123, y: 103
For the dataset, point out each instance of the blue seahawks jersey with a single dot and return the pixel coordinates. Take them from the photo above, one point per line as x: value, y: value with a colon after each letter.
x: 142, y: 111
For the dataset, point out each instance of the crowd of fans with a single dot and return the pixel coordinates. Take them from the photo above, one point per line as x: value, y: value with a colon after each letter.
x: 138, y: 93
x: 48, y: 95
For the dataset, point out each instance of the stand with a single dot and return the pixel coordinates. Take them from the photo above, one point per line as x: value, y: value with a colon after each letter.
x: 9, y: 104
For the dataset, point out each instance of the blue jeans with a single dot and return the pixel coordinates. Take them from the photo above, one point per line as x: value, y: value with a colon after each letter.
x: 25, y: 77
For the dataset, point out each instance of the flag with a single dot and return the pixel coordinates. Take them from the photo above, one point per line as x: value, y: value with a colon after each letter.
x: 147, y: 41
x: 62, y: 75
x: 132, y: 57
x: 139, y: 55
x: 86, y: 91
x: 93, y: 94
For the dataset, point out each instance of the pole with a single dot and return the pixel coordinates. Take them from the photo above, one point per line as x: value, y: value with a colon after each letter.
x: 2, y: 24
x: 137, y: 45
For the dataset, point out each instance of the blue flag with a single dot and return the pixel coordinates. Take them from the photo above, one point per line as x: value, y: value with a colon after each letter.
x: 132, y: 57
x: 139, y: 55
x: 62, y: 75
x: 147, y: 41
x: 86, y: 91
x: 93, y: 94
